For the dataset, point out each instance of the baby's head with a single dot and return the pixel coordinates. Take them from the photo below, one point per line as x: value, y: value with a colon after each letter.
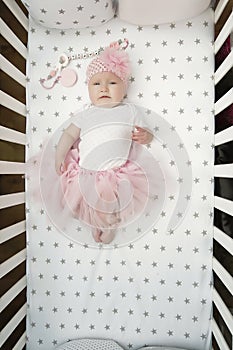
x: 107, y: 77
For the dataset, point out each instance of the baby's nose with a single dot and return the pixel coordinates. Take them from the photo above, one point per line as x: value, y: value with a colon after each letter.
x: 104, y: 87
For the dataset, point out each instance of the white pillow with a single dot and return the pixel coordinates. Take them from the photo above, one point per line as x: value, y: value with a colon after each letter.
x: 65, y: 14
x: 150, y: 12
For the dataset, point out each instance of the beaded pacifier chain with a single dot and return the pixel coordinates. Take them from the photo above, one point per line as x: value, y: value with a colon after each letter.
x: 68, y: 76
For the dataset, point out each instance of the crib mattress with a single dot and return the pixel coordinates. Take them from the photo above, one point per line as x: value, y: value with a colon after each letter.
x: 153, y: 285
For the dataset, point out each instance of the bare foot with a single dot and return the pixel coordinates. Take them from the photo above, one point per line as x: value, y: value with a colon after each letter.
x: 107, y: 235
x: 103, y: 235
x: 96, y: 233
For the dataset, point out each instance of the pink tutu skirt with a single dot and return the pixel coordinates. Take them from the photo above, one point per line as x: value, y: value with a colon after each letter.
x: 78, y: 202
x: 104, y: 199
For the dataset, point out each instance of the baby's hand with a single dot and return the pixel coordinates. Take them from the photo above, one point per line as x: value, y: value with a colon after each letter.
x: 141, y: 136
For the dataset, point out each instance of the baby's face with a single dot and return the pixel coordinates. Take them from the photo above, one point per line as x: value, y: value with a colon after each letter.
x: 106, y: 90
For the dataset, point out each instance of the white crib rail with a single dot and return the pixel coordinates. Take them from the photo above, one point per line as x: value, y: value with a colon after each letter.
x: 13, y: 104
x: 17, y: 12
x: 10, y: 135
x: 224, y: 102
x: 16, y: 230
x: 12, y: 71
x: 225, y: 241
x: 13, y: 335
x: 219, y: 337
x: 222, y: 325
x: 13, y: 39
x: 224, y: 68
x: 20, y: 343
x: 225, y: 32
x: 224, y: 136
x: 219, y: 9
x: 12, y: 231
x: 223, y: 170
x: 224, y: 205
x: 14, y: 322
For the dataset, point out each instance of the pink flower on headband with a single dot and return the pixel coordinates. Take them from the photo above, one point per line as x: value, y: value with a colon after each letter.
x: 117, y: 62
x: 112, y: 59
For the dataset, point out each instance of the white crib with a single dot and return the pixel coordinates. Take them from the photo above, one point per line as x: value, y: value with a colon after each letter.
x: 14, y: 27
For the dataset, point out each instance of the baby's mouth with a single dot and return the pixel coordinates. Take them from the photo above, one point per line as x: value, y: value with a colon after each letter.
x: 105, y: 96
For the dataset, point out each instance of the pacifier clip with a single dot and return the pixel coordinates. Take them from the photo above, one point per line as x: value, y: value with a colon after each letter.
x: 68, y: 76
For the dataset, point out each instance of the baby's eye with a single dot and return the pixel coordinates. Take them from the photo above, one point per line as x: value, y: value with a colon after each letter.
x: 112, y: 82
x: 96, y: 83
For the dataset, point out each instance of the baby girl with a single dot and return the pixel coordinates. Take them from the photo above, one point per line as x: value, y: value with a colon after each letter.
x: 103, y: 184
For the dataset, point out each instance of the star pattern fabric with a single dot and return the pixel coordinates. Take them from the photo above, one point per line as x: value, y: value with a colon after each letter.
x: 73, y: 14
x: 157, y: 289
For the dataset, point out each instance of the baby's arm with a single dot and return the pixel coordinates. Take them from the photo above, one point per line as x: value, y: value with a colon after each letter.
x: 69, y: 136
x: 142, y: 136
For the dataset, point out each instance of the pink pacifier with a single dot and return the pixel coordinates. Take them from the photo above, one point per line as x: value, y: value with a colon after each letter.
x: 68, y: 77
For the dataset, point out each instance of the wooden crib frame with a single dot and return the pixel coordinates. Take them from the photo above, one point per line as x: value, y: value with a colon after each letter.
x: 14, y: 28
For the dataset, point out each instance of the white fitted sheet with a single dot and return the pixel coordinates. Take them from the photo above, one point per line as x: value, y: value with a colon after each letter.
x: 155, y: 289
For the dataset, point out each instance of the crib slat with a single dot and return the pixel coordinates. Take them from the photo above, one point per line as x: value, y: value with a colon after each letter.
x: 223, y: 310
x: 224, y: 68
x: 7, y: 168
x: 224, y: 276
x: 219, y: 9
x: 12, y: 231
x: 12, y: 104
x: 225, y: 101
x: 9, y: 200
x: 9, y: 328
x: 219, y: 337
x: 13, y: 39
x: 224, y: 136
x: 224, y: 205
x: 12, y: 71
x: 11, y: 263
x: 18, y: 13
x: 20, y: 343
x: 12, y: 293
x: 11, y: 135
x: 223, y: 239
x: 224, y: 33
x: 223, y: 170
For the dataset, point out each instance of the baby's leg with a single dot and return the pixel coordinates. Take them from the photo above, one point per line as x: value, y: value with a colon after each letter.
x: 106, y: 227
x: 106, y: 233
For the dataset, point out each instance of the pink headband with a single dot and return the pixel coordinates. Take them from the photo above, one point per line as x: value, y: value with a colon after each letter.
x: 113, y: 59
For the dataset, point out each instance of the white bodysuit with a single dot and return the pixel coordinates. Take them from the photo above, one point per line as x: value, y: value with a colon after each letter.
x: 105, y: 137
